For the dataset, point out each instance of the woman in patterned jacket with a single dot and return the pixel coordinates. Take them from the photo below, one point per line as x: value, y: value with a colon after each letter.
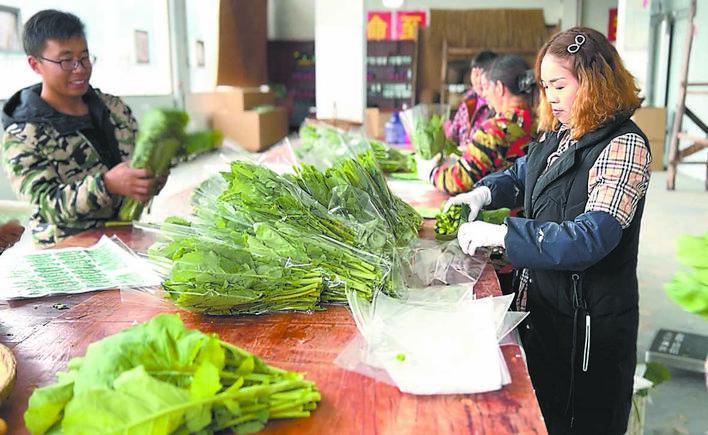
x: 507, y: 87
x: 473, y: 110
x: 582, y: 187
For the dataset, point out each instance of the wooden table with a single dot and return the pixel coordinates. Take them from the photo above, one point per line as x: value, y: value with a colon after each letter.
x: 44, y: 338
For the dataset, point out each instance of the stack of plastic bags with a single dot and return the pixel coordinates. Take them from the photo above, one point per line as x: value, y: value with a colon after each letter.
x: 432, y: 340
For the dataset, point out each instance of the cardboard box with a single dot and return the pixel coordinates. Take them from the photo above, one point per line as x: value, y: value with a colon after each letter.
x: 253, y: 130
x: 227, y: 110
x: 241, y: 99
x: 652, y: 121
x: 375, y: 122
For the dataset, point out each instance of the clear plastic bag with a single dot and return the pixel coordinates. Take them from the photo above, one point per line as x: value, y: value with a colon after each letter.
x: 443, y: 347
x: 433, y: 262
x: 332, y: 158
x: 424, y: 125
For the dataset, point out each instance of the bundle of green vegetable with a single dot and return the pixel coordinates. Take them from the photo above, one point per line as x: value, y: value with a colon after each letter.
x: 428, y: 139
x: 267, y: 223
x: 202, y: 141
x: 161, y: 135
x: 362, y: 174
x: 424, y: 125
x: 213, y: 273
x: 162, y: 378
x: 323, y: 142
x: 690, y: 289
x: 448, y: 222
x: 392, y: 160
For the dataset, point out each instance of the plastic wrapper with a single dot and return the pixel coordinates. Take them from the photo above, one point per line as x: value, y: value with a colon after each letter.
x: 338, y: 159
x: 445, y: 343
x: 430, y: 263
x: 263, y: 214
x: 218, y: 276
x: 424, y: 126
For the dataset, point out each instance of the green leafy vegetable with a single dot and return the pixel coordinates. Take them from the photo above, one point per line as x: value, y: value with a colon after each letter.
x: 447, y: 223
x: 202, y: 141
x: 161, y: 135
x: 161, y: 378
x: 690, y: 288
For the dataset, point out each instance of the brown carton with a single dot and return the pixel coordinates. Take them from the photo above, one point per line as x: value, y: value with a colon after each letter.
x: 376, y: 120
x: 652, y: 121
x: 240, y: 99
x: 227, y: 110
x: 253, y: 130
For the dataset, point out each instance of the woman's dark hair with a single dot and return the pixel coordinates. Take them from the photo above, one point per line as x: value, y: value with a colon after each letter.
x: 483, y: 59
x: 49, y: 24
x: 514, y: 73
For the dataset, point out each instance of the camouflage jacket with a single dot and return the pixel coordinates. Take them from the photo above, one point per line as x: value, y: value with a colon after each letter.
x: 51, y: 163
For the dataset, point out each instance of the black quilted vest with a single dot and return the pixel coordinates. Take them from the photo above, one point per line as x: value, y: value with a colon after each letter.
x: 560, y: 194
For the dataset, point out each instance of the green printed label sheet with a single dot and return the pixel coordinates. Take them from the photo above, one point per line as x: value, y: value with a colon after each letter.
x: 104, y: 265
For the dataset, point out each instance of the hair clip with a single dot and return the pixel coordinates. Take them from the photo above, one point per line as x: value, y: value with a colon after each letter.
x: 579, y: 40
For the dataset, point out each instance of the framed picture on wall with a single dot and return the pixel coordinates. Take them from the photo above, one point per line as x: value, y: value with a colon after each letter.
x: 199, y: 53
x: 142, y: 47
x: 10, y: 29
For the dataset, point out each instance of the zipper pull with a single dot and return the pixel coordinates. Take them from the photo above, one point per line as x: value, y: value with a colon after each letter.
x: 576, y: 299
x: 586, y: 349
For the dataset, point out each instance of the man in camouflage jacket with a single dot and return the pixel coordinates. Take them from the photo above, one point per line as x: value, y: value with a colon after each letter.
x: 66, y: 144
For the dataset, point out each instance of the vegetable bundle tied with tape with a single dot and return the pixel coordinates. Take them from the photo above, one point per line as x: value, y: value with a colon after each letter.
x: 160, y: 137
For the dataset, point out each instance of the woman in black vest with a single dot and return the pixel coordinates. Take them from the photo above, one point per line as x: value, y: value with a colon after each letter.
x: 582, y: 187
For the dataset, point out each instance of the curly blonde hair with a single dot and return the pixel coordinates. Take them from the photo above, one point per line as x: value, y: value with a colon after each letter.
x: 605, y: 90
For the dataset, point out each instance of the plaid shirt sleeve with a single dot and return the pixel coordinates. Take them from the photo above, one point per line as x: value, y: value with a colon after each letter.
x: 619, y: 178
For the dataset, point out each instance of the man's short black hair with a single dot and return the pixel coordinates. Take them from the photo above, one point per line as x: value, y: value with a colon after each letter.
x: 50, y: 24
x: 483, y: 59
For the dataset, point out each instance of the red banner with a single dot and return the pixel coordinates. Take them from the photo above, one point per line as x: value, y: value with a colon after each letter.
x: 407, y: 23
x: 612, y: 25
x: 378, y: 26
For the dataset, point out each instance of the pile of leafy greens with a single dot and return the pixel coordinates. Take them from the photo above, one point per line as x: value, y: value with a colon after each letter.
x: 162, y: 378
x: 690, y: 288
x: 318, y: 140
x: 258, y: 243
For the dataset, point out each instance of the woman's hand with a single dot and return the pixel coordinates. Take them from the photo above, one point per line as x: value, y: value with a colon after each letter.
x: 475, y: 200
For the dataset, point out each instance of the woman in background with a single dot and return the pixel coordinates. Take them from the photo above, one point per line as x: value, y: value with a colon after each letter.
x: 508, y: 87
x: 473, y: 108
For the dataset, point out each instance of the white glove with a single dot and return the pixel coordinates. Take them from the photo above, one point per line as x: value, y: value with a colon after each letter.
x: 475, y: 199
x: 472, y: 235
x: 425, y: 167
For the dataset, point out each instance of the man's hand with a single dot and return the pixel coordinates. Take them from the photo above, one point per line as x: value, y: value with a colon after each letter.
x: 472, y: 235
x: 475, y: 199
x: 123, y: 180
x: 10, y: 233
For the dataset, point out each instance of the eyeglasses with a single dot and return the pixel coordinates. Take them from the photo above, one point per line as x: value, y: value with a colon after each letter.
x: 71, y: 64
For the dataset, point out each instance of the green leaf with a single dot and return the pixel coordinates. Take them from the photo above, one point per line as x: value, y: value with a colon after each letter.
x: 656, y: 373
x: 140, y: 404
x: 46, y: 406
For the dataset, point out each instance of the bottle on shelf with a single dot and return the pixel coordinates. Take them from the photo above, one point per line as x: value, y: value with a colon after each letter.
x: 393, y: 130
